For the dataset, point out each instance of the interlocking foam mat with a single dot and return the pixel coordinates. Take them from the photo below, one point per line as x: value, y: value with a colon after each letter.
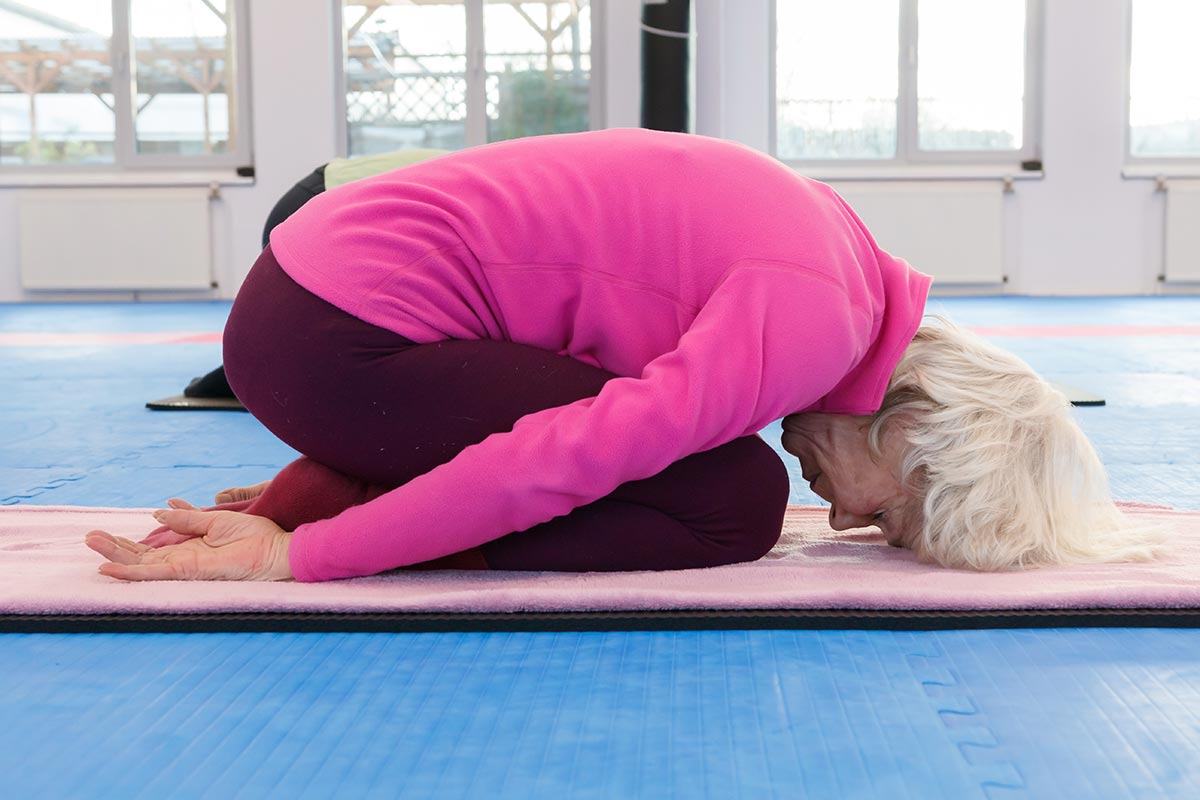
x: 814, y: 577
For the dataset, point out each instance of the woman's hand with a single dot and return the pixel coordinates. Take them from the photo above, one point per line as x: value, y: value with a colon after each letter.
x: 225, y: 546
x: 163, y: 535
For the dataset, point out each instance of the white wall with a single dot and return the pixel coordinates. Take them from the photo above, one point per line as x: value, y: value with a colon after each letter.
x: 1080, y: 229
x: 1085, y: 229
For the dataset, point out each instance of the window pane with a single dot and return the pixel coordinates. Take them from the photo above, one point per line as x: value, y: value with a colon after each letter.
x: 836, y: 78
x: 56, y: 103
x: 183, y: 74
x: 1164, y: 103
x: 970, y: 74
x: 406, y: 80
x: 538, y: 67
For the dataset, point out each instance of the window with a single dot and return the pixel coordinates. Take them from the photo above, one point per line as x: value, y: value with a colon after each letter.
x: 131, y: 83
x: 903, y: 80
x: 837, y: 73
x: 1164, y: 103
x: 454, y: 74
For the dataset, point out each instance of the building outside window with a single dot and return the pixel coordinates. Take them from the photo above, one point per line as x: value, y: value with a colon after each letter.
x: 456, y: 73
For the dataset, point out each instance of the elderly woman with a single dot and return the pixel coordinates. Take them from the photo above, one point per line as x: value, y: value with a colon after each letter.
x: 554, y: 353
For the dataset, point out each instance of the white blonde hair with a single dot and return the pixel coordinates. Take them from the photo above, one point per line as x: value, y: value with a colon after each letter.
x: 1008, y: 479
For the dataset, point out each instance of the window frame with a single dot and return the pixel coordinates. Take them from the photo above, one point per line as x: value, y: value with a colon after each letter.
x: 1146, y: 165
x: 475, y: 120
x: 126, y: 159
x: 908, y: 153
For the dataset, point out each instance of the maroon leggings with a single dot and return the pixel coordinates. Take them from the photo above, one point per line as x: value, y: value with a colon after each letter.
x: 334, y: 388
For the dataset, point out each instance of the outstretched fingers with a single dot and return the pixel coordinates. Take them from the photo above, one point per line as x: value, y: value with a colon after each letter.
x: 215, y: 526
x: 129, y: 560
x: 162, y: 571
x: 115, y: 548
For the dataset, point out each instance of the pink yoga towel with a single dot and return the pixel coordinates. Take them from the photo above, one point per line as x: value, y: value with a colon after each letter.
x: 46, y: 569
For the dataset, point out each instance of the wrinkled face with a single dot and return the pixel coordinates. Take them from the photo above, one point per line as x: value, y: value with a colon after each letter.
x: 862, y: 491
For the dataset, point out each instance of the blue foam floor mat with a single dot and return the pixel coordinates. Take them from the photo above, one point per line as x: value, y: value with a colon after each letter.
x: 735, y: 714
x: 948, y: 714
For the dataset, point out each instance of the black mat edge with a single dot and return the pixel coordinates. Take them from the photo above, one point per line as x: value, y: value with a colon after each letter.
x: 764, y: 619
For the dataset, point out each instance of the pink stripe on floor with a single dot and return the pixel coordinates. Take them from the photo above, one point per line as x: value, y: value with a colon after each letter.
x: 46, y: 569
x: 84, y: 339
x: 1087, y: 330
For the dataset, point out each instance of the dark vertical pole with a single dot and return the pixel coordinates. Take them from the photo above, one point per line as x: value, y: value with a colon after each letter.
x: 665, y: 68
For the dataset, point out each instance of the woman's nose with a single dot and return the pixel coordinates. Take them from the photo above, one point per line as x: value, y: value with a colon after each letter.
x: 841, y: 520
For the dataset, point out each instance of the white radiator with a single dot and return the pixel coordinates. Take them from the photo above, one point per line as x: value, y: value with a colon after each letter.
x: 1181, y: 250
x: 116, y: 239
x: 953, y: 231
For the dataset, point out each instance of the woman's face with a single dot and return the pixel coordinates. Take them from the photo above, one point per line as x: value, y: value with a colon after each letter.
x: 835, y: 459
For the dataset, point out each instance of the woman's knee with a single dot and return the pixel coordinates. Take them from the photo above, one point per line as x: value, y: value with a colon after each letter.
x: 769, y: 487
x: 241, y: 349
x: 756, y: 499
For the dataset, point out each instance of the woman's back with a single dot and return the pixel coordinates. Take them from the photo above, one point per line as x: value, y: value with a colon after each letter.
x: 558, y: 241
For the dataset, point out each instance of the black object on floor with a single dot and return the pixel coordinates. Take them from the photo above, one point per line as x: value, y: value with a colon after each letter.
x: 214, y: 384
x: 1079, y: 397
x: 209, y: 392
x: 183, y: 403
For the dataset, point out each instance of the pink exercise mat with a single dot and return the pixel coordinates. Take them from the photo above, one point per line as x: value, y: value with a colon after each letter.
x: 45, y: 569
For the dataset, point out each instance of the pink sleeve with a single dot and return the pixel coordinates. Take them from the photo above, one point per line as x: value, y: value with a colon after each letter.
x: 768, y: 343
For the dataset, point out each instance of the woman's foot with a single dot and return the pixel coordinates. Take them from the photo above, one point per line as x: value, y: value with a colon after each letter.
x: 308, y: 491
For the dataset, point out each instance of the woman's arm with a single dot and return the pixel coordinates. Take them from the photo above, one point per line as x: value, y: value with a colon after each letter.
x: 770, y: 341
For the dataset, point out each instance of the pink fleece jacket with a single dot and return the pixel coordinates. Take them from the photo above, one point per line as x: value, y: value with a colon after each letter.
x: 726, y: 290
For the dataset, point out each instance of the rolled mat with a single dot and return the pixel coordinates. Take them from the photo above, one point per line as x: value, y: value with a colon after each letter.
x: 814, y: 578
